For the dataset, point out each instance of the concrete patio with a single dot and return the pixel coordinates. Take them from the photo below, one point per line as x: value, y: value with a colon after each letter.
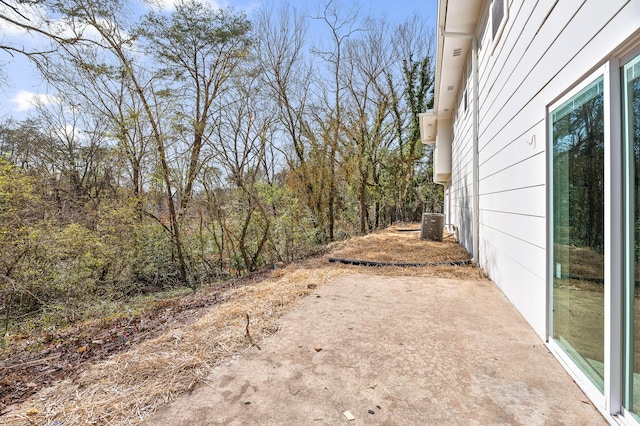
x: 392, y: 350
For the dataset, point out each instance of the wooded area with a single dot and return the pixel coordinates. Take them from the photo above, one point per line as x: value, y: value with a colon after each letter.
x: 189, y: 146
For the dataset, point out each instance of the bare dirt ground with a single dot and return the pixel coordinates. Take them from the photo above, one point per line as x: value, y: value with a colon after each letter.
x: 123, y: 371
x: 392, y: 351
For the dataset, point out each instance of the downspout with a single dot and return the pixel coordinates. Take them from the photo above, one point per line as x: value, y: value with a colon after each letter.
x: 475, y: 136
x: 476, y: 153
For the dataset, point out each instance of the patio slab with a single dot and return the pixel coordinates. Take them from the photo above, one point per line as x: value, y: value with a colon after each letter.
x: 392, y: 350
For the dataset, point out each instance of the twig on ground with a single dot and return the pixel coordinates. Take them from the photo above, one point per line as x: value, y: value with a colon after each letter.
x: 249, y: 334
x: 34, y: 362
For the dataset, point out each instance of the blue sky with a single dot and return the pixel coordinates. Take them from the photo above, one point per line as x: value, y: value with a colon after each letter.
x: 23, y: 84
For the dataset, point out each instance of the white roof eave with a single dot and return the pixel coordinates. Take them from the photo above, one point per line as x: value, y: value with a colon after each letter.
x: 456, y: 25
x: 428, y: 127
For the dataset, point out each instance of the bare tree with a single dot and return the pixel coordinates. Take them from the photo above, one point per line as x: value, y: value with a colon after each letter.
x: 101, y: 90
x: 199, y: 49
x: 241, y: 147
x: 77, y: 156
x: 108, y: 48
x: 27, y: 15
x: 411, y: 86
x: 367, y: 121
x: 342, y: 24
x: 286, y: 74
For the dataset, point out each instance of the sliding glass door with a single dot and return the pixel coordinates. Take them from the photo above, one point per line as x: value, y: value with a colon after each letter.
x: 577, y: 213
x: 594, y: 171
x: 631, y: 138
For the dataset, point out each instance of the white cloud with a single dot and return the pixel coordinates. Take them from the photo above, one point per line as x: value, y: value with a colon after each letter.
x: 62, y: 29
x: 68, y: 133
x: 25, y: 100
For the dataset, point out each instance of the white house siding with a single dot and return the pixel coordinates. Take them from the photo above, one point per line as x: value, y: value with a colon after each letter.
x: 460, y: 193
x: 545, y: 48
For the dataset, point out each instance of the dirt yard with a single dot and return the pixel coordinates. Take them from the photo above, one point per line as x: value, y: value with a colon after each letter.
x: 391, y: 351
x: 122, y: 372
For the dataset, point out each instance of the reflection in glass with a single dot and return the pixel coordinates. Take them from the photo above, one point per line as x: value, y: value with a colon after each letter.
x: 577, y: 137
x: 631, y: 132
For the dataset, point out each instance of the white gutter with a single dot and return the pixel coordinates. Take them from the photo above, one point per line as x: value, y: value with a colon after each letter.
x: 475, y: 159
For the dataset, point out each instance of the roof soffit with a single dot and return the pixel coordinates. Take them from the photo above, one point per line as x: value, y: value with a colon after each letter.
x: 459, y: 17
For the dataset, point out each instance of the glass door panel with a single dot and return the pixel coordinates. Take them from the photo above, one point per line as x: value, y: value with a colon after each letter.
x: 577, y: 138
x: 631, y: 134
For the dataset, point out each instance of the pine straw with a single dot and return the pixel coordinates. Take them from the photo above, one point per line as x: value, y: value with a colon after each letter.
x: 129, y: 386
x: 393, y: 245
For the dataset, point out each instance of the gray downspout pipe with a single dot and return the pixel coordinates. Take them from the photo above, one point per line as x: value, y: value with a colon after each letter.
x: 476, y: 154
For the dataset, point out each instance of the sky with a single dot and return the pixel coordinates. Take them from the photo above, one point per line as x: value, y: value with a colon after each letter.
x: 23, y: 86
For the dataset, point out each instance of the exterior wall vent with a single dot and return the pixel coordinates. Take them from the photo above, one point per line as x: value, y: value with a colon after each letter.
x: 457, y: 52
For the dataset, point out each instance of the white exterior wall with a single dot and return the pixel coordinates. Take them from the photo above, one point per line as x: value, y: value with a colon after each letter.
x: 461, y: 187
x: 546, y: 47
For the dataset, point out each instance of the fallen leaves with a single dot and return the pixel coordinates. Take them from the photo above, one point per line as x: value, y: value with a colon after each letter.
x: 32, y: 362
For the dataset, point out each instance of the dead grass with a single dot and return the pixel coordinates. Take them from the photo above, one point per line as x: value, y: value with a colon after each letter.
x: 586, y: 262
x: 396, y: 245
x: 129, y: 386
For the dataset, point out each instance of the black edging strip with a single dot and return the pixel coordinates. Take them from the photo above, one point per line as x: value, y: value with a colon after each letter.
x: 399, y: 264
x: 593, y: 280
